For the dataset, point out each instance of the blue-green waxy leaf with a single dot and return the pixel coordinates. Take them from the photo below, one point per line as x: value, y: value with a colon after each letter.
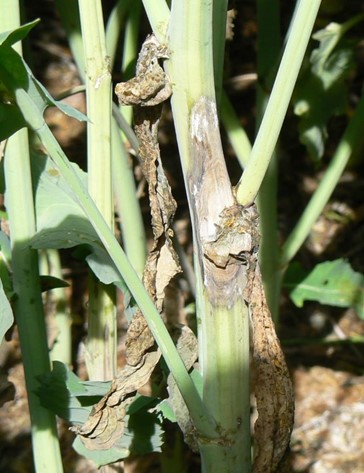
x: 6, y: 314
x: 333, y: 283
x: 61, y: 222
x: 100, y: 457
x: 62, y: 392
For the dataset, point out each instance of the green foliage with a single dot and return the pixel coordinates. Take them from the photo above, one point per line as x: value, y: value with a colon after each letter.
x: 8, y: 38
x: 166, y: 410
x: 66, y: 395
x: 333, y: 283
x: 63, y: 393
x: 15, y: 79
x: 322, y: 90
x: 11, y: 118
x: 51, y: 282
x: 142, y: 435
x: 61, y: 222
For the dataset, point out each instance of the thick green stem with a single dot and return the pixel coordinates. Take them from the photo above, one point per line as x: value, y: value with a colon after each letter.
x: 219, y: 16
x: 223, y: 323
x: 158, y: 16
x: 28, y: 307
x: 226, y: 384
x: 126, y: 202
x: 102, y: 335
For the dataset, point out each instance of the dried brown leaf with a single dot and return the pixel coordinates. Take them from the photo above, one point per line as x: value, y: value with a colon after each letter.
x: 146, y: 92
x: 271, y: 382
x: 187, y: 347
x: 105, y: 424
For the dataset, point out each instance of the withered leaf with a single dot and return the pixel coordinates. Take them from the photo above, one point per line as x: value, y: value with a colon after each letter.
x: 271, y: 381
x: 106, y: 423
x: 162, y: 263
x: 187, y: 347
x: 139, y: 339
x: 146, y: 91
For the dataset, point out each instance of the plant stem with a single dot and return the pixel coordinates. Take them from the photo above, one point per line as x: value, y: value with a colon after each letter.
x: 126, y: 201
x: 28, y: 307
x: 201, y: 417
x: 223, y: 329
x: 268, y: 46
x: 114, y: 27
x: 127, y: 204
x: 271, y: 125
x: 158, y: 15
x: 70, y: 16
x: 101, y: 344
x: 351, y: 140
x: 219, y: 15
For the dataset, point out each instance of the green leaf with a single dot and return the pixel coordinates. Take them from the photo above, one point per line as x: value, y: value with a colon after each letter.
x: 51, y: 282
x: 66, y: 395
x: 333, y: 283
x: 62, y: 392
x: 100, y: 457
x: 16, y: 79
x: 6, y: 314
x: 146, y: 431
x: 322, y: 91
x: 11, y: 37
x: 141, y: 402
x: 11, y: 120
x: 61, y: 222
x: 165, y: 408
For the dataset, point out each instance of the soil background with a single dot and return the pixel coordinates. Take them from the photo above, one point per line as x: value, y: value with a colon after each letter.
x: 326, y: 366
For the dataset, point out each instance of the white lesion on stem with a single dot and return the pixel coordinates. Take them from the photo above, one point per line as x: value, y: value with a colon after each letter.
x: 212, y: 181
